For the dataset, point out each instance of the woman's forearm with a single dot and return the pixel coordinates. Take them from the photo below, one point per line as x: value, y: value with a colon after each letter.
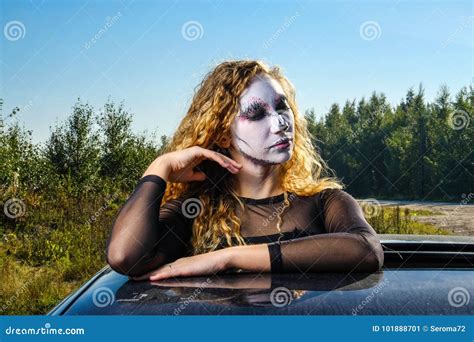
x: 253, y: 258
x: 334, y: 252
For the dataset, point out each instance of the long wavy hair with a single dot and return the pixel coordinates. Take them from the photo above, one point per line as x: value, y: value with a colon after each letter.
x: 208, y: 121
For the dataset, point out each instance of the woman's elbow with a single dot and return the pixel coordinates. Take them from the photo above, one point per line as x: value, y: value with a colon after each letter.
x: 375, y: 258
x: 132, y: 264
x: 122, y: 261
x: 118, y: 261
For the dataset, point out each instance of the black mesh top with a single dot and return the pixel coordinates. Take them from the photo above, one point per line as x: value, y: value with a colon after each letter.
x: 323, y: 232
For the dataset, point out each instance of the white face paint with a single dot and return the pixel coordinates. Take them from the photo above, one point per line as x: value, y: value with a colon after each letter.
x: 264, y: 119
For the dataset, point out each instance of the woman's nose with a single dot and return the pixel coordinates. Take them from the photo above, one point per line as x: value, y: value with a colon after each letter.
x: 279, y: 123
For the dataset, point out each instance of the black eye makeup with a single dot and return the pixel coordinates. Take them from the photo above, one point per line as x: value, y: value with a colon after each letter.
x: 283, y: 104
x: 257, y: 110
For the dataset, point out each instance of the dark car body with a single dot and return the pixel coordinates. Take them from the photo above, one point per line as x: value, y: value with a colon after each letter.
x: 422, y: 275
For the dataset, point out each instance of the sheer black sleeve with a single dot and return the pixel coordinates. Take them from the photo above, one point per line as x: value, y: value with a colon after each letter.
x: 146, y: 234
x: 350, y: 244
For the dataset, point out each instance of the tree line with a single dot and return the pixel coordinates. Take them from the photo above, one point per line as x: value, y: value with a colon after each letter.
x: 414, y: 150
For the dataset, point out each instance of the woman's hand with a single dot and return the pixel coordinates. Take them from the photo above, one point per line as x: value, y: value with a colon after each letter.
x: 197, y: 265
x: 178, y: 166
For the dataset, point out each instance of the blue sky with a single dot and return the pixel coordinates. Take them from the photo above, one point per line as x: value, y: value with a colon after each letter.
x: 143, y: 54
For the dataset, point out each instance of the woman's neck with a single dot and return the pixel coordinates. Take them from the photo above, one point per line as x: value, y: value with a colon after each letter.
x: 258, y: 181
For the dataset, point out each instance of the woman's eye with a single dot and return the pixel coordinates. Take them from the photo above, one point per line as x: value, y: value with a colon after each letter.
x: 255, y: 112
x: 257, y: 115
x: 284, y: 106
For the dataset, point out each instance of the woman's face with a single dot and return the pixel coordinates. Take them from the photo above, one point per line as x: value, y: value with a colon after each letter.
x: 262, y: 130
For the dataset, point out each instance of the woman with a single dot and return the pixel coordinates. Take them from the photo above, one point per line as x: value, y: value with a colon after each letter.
x: 240, y: 187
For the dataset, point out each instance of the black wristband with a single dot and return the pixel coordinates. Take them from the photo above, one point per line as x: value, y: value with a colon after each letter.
x: 155, y: 179
x: 275, y: 257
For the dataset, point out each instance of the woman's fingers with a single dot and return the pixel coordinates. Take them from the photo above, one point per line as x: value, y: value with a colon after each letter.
x: 223, y: 160
x: 232, y: 161
x: 162, y: 272
x: 214, y: 156
x: 166, y: 271
x: 142, y: 277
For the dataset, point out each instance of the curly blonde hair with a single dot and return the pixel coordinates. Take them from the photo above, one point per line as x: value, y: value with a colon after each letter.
x: 208, y: 121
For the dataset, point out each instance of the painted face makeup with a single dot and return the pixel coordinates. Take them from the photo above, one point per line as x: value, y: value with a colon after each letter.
x: 262, y: 131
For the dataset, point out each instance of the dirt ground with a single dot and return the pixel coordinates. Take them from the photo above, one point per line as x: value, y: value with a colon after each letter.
x: 456, y: 217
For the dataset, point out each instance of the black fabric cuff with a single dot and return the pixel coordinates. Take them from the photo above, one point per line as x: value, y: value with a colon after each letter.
x: 275, y: 257
x: 155, y: 179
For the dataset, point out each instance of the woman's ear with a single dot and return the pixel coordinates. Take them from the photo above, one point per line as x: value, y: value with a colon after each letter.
x: 224, y: 142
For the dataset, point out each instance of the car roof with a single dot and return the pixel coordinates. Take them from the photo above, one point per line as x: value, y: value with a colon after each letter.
x: 423, y: 282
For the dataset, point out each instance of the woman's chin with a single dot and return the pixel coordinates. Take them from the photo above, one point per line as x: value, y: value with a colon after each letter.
x: 282, y: 157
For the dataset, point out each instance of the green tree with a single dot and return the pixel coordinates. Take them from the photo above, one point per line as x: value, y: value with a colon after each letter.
x: 73, y: 152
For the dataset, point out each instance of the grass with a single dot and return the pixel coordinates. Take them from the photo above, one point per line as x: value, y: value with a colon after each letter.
x: 394, y: 220
x: 424, y: 212
x: 27, y: 290
x: 50, y: 251
x: 38, y: 270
